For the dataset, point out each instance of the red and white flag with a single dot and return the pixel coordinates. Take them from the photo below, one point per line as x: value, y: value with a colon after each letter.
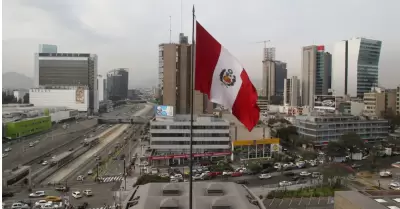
x: 221, y: 76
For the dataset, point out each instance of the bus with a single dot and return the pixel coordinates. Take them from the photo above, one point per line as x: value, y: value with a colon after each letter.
x: 92, y: 141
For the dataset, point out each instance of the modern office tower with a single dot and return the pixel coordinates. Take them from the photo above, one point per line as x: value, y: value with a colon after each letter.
x: 68, y: 71
x: 315, y: 73
x: 174, y: 79
x: 117, y: 84
x: 291, y: 94
x: 274, y: 73
x: 100, y: 87
x: 47, y: 48
x: 355, y: 66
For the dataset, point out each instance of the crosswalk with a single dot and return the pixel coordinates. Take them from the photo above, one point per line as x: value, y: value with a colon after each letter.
x: 111, y: 179
x: 104, y: 207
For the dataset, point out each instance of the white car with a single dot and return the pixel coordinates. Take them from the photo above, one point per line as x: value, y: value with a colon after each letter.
x: 88, y: 192
x: 77, y: 194
x: 8, y: 149
x: 45, y: 163
x: 19, y: 205
x: 40, y: 203
x: 48, y: 205
x: 385, y: 174
x: 37, y: 194
x: 227, y: 173
x: 305, y: 173
x: 285, y: 183
x: 80, y: 178
x: 264, y: 176
x: 394, y: 185
x: 5, y: 154
x: 197, y: 177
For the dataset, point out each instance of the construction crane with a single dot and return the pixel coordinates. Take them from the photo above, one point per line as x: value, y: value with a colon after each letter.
x: 265, y: 42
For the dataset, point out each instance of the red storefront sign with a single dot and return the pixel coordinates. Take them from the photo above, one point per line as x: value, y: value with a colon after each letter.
x: 208, y: 154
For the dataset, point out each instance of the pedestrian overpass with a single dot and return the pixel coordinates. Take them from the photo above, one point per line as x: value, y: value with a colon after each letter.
x: 124, y: 120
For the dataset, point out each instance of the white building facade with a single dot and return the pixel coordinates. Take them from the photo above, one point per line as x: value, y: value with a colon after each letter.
x: 291, y: 92
x: 170, y: 139
x: 73, y: 98
x: 355, y: 66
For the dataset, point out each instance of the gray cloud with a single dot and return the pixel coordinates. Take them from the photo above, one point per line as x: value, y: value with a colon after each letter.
x: 126, y: 33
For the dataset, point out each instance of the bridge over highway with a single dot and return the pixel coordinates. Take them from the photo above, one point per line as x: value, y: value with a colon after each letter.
x: 123, y: 120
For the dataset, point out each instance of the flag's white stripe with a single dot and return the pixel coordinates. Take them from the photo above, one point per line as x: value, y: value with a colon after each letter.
x: 220, y: 93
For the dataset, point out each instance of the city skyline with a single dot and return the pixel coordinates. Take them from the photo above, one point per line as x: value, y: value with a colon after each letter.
x: 116, y: 40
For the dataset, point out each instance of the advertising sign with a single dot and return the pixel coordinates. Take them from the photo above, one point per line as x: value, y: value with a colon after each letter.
x: 325, y: 102
x: 275, y: 148
x: 80, y: 95
x: 164, y: 111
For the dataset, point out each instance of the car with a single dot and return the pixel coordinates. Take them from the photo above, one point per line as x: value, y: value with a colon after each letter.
x: 355, y: 165
x: 77, y: 194
x: 8, y: 149
x: 53, y: 199
x: 19, y: 205
x: 385, y: 174
x: 236, y: 174
x: 242, y: 181
x: 227, y: 173
x: 285, y: 183
x: 83, y: 206
x: 80, y: 178
x: 305, y: 173
x: 5, y: 155
x: 197, y: 177
x: 289, y: 174
x: 88, y: 192
x: 264, y: 176
x: 45, y: 163
x: 90, y: 172
x: 37, y: 194
x: 62, y: 189
x: 31, y: 144
x: 48, y: 205
x: 40, y: 203
x: 316, y: 174
x: 7, y: 194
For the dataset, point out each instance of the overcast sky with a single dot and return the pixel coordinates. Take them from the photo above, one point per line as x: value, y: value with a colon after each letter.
x: 126, y: 33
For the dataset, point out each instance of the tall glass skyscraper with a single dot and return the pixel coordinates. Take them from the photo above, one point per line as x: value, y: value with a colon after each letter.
x: 355, y: 66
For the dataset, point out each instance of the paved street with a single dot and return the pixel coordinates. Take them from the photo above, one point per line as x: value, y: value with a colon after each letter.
x: 21, y: 152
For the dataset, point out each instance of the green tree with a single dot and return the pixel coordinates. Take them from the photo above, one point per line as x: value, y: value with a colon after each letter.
x: 309, y: 155
x: 287, y: 135
x: 335, y: 173
x: 335, y: 149
x: 255, y: 167
x: 352, y: 142
x: 26, y: 98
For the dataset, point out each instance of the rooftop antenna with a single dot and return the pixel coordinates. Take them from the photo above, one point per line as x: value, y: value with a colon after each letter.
x: 170, y: 30
x: 181, y: 16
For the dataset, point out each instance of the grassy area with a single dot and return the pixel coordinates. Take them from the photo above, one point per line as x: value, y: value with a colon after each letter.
x: 103, y: 165
x: 322, y: 191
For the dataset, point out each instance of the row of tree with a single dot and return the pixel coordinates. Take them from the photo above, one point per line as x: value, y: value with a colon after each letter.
x: 7, y: 99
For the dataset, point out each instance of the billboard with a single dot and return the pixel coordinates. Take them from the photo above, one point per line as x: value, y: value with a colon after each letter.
x: 80, y: 95
x: 164, y: 111
x: 325, y: 102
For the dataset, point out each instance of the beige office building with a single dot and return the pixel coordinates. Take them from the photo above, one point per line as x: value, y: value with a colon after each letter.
x: 291, y: 95
x: 380, y: 101
x: 174, y: 79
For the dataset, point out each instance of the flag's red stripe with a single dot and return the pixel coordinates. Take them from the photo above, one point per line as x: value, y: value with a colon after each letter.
x: 207, y: 54
x: 245, y: 107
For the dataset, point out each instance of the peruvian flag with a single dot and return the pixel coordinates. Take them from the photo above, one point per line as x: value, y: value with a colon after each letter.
x: 221, y: 76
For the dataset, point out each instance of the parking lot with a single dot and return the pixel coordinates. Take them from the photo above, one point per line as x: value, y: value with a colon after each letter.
x: 299, y: 203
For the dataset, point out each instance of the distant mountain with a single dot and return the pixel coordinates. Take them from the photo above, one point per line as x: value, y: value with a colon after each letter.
x: 13, y: 80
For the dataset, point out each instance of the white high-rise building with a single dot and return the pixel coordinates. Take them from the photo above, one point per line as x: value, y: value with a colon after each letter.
x: 291, y: 94
x: 355, y: 66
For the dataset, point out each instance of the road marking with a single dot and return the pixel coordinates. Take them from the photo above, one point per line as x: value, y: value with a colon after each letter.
x: 291, y: 200
x: 272, y: 201
x: 281, y: 202
x: 301, y: 199
x: 319, y: 199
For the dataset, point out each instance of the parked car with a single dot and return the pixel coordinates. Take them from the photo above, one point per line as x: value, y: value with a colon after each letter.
x: 8, y: 149
x: 285, y: 183
x: 305, y: 173
x: 19, y: 205
x: 40, y: 203
x: 236, y: 174
x: 62, y: 189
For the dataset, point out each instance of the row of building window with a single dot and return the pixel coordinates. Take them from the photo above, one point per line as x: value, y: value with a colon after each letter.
x: 188, y: 135
x: 188, y: 127
x: 188, y: 143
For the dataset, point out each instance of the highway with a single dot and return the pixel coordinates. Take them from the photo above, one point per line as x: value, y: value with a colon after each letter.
x: 21, y: 153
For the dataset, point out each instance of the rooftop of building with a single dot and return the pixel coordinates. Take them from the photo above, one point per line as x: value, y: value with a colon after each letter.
x: 376, y: 199
x: 207, y: 195
x: 186, y: 118
x: 312, y: 116
x: 240, y: 132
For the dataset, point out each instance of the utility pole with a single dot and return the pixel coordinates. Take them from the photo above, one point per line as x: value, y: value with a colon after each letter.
x: 97, y: 175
